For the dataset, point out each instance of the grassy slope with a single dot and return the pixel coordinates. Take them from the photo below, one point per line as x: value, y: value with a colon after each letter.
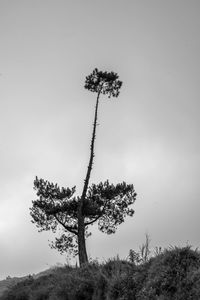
x: 10, y: 282
x: 7, y: 283
x: 172, y: 274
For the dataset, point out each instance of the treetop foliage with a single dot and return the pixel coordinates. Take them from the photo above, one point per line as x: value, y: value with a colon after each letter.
x: 103, y: 82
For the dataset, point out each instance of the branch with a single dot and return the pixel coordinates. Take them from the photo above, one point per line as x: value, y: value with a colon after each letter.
x: 69, y: 228
x: 100, y: 215
x: 91, y: 222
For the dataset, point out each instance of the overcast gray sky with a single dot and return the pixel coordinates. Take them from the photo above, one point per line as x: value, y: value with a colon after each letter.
x: 149, y: 136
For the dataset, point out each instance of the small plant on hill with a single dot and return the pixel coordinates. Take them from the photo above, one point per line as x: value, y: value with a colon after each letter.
x: 143, y: 255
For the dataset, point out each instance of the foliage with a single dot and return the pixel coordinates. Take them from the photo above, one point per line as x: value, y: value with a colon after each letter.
x: 173, y: 274
x: 104, y: 82
x: 168, y: 274
x: 104, y: 202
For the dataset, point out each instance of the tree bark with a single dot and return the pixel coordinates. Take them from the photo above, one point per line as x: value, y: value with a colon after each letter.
x: 91, y: 150
x: 82, y: 253
x: 83, y: 258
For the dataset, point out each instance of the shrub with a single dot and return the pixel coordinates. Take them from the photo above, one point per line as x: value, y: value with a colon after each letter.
x: 168, y: 273
x: 116, y: 266
x: 119, y: 275
x: 77, y: 284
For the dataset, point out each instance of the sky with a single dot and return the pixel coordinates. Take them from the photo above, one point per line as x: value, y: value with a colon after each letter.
x: 148, y: 136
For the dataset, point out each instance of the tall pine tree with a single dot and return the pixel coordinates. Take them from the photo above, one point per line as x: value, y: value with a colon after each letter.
x: 104, y: 203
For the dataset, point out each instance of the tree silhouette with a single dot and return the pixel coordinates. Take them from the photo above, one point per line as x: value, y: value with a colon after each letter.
x: 104, y: 203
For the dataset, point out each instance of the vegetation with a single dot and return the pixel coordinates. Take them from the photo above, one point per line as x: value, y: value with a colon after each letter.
x: 171, y: 274
x: 105, y: 203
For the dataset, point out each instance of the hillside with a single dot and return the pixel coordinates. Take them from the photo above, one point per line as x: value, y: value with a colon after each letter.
x: 7, y: 283
x: 171, y: 274
x: 12, y: 281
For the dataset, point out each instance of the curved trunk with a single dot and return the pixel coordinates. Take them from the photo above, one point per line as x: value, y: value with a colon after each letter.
x: 81, y: 226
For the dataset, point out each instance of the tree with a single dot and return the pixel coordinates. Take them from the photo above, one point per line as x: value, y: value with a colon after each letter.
x: 105, y: 203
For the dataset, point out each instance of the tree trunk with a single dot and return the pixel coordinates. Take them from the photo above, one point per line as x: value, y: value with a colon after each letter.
x: 81, y: 226
x: 87, y: 178
x: 82, y: 253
